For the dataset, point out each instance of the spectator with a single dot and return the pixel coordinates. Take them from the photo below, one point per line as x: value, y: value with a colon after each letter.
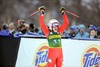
x: 92, y: 32
x: 82, y: 32
x: 24, y: 31
x: 27, y: 27
x: 77, y: 29
x: 12, y: 29
x: 4, y: 31
x: 20, y: 22
x: 89, y: 28
x: 72, y: 32
x: 33, y: 28
x: 4, y: 26
x: 98, y: 32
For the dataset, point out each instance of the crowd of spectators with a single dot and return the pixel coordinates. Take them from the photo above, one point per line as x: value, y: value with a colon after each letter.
x: 83, y: 32
x: 23, y: 29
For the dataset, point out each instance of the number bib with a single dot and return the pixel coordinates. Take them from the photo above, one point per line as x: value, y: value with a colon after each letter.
x: 54, y: 40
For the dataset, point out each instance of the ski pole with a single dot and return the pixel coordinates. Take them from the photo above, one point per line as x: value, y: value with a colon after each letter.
x: 32, y: 14
x: 27, y: 16
x: 72, y: 14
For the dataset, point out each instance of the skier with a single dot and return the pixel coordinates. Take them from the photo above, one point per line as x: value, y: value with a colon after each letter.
x: 53, y: 34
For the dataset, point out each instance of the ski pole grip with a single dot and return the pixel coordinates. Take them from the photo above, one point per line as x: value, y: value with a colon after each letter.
x: 62, y: 10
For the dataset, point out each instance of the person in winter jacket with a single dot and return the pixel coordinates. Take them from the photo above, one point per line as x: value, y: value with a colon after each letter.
x: 82, y: 34
x: 4, y: 31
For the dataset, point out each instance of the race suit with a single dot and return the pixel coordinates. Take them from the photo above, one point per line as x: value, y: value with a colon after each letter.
x: 55, y: 55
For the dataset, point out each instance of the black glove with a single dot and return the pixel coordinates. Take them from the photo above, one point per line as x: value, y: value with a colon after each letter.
x: 41, y: 9
x: 62, y: 10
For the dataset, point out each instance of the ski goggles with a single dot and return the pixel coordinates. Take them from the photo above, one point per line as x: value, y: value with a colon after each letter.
x: 55, y: 25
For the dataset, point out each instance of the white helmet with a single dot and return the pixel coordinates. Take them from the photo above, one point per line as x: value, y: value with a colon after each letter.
x: 53, y: 23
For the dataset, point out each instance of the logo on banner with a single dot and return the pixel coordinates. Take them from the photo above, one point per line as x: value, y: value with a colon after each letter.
x: 41, y: 56
x: 91, y: 56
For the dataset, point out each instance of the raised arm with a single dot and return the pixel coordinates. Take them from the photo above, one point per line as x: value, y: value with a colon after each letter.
x: 42, y: 24
x: 66, y: 22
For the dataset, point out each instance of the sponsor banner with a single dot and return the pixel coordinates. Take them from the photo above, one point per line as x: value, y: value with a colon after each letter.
x: 76, y: 53
x: 91, y: 56
x: 32, y: 53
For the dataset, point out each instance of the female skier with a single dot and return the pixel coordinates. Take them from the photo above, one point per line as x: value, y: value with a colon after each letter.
x: 53, y: 34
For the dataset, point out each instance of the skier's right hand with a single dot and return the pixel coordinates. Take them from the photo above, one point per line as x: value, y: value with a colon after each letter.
x: 41, y: 9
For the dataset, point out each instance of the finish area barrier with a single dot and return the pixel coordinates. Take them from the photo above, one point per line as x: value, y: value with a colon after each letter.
x: 33, y: 52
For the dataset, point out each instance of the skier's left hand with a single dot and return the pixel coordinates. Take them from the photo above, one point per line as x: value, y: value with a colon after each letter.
x: 62, y: 10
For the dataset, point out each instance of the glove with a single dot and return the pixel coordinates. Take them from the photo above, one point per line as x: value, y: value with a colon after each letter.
x: 62, y: 10
x: 41, y: 9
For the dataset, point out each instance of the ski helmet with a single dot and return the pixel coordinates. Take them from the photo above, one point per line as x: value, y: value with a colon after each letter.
x: 53, y: 23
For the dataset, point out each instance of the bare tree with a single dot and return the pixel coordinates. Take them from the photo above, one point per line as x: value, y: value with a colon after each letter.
x: 12, y: 10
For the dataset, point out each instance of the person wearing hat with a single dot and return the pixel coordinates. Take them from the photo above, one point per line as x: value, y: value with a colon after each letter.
x: 93, y: 32
x: 53, y: 34
x: 72, y: 32
x: 82, y: 34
